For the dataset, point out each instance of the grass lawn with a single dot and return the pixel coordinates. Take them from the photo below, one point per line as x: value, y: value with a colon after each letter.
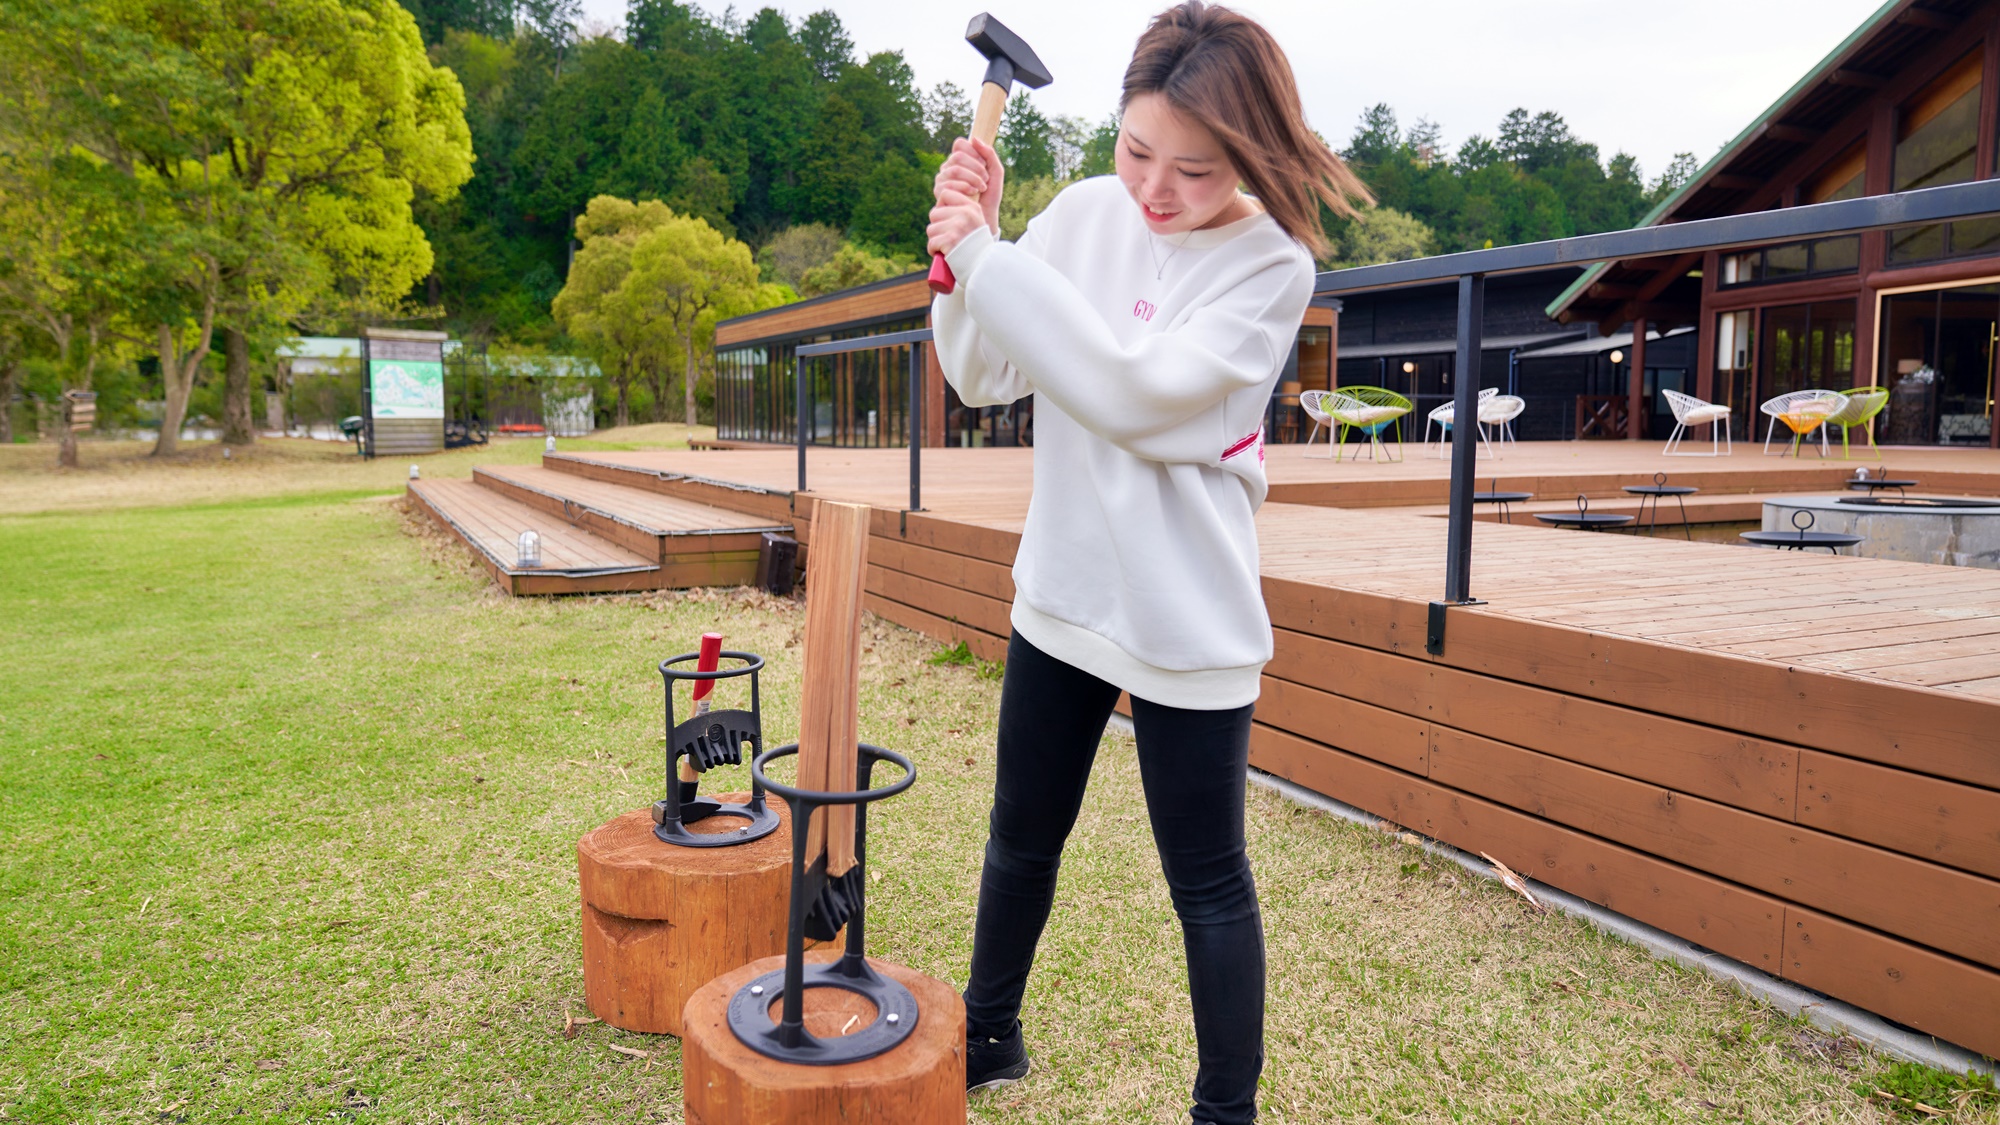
x: 290, y: 799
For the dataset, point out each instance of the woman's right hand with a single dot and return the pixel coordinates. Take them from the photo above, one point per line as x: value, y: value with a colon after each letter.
x: 973, y: 171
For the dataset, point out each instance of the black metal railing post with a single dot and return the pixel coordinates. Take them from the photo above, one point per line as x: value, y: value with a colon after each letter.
x: 913, y: 414
x: 1464, y: 439
x: 799, y: 413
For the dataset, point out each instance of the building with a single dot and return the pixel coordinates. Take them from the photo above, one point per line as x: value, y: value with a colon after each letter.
x: 861, y: 399
x: 1908, y: 101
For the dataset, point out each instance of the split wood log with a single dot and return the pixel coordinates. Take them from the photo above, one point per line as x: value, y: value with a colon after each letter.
x: 829, y: 700
x: 660, y: 921
x: 920, y: 1081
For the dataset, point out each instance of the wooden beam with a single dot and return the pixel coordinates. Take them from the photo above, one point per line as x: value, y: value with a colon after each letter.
x: 829, y: 699
x: 1790, y: 134
x: 1609, y: 292
x: 1731, y: 181
x: 1920, y: 17
x: 1859, y: 79
x: 1635, y: 386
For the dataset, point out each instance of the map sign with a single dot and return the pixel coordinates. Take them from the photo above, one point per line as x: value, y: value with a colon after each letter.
x: 405, y: 388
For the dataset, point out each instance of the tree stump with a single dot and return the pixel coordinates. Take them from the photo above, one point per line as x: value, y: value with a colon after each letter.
x: 920, y: 1081
x: 660, y: 921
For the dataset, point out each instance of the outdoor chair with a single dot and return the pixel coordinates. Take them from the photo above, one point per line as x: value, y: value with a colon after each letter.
x: 1802, y: 412
x: 1371, y: 410
x: 1691, y: 411
x: 1313, y: 403
x: 1863, y: 404
x: 1500, y: 412
x: 1442, y: 416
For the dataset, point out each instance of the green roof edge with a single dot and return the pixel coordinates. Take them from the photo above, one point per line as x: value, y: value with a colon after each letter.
x: 1727, y: 151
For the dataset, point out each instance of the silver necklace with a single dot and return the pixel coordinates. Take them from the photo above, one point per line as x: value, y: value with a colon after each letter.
x: 1152, y: 244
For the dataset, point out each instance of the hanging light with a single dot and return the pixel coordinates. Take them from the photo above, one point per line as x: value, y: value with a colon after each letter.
x: 1617, y: 356
x: 528, y: 552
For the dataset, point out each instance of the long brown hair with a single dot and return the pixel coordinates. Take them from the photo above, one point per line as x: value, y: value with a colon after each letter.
x: 1222, y: 70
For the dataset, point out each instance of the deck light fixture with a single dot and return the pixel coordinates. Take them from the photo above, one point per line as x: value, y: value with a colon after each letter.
x: 413, y: 472
x: 528, y: 551
x: 549, y: 444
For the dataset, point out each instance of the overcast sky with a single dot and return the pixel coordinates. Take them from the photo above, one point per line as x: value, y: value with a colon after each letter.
x: 1651, y: 79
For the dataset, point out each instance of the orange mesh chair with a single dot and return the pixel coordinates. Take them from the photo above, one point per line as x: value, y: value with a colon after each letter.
x: 1802, y: 412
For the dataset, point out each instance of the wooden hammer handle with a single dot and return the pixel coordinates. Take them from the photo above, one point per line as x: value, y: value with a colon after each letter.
x: 985, y: 127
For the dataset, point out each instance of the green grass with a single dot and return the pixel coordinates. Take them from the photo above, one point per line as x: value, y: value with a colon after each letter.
x: 291, y: 798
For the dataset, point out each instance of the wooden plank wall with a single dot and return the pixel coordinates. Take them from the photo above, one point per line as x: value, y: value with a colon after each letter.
x: 1765, y: 813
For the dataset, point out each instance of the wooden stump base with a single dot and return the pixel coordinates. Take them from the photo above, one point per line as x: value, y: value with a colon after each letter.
x: 920, y: 1081
x: 660, y: 921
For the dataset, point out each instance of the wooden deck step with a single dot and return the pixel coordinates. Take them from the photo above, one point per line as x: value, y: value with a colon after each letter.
x: 573, y: 561
x: 694, y: 544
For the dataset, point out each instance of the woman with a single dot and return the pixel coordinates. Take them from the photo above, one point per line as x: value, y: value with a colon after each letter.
x: 1149, y: 314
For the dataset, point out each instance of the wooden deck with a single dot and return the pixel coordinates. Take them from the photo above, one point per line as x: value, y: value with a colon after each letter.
x: 1791, y: 759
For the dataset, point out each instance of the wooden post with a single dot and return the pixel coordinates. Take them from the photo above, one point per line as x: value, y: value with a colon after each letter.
x: 660, y: 921
x: 920, y: 1081
x: 1635, y: 393
x: 829, y: 701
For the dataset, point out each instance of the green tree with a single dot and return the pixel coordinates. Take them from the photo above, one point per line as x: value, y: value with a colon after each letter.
x: 794, y: 251
x: 852, y: 266
x: 893, y: 204
x: 619, y: 328
x: 1382, y: 234
x: 685, y: 276
x: 1026, y: 140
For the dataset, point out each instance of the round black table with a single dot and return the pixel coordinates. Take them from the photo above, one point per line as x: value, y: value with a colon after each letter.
x: 1588, y: 521
x: 1872, y: 485
x: 1654, y: 492
x: 1800, y: 540
x: 1504, y: 499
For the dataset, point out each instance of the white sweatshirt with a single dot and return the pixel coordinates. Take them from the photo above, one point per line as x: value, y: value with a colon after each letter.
x: 1152, y: 360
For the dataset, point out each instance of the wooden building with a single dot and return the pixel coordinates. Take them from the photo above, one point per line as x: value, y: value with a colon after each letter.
x: 1908, y: 101
x: 861, y: 399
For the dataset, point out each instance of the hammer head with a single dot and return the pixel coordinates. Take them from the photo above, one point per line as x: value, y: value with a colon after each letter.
x: 1011, y: 59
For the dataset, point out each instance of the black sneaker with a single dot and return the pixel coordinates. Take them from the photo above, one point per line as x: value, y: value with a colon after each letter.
x: 993, y: 1063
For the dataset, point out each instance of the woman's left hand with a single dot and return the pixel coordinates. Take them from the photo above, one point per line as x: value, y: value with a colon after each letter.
x: 968, y: 190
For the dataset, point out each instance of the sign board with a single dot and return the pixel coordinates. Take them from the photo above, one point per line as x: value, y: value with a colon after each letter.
x: 406, y: 388
x: 81, y: 406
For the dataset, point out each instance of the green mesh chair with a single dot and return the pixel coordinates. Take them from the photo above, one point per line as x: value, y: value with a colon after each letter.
x: 1371, y: 410
x: 1863, y: 404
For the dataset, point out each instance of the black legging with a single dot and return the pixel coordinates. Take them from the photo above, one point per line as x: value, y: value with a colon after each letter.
x: 1192, y: 764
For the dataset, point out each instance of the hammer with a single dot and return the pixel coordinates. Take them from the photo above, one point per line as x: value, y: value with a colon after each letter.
x: 1010, y: 61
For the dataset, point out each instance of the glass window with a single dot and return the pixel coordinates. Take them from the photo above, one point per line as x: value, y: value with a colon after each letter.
x: 1732, y: 367
x: 1844, y: 177
x: 1936, y: 137
x: 1810, y: 347
x: 1938, y: 359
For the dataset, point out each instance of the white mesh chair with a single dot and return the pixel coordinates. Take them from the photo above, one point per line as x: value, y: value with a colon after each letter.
x: 1499, y: 412
x: 1441, y: 417
x: 1802, y: 412
x: 1314, y: 404
x: 1691, y: 411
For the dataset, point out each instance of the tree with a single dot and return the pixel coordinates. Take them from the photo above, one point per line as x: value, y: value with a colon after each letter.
x: 1026, y: 140
x: 593, y: 306
x: 947, y: 115
x: 1382, y: 234
x: 1100, y: 149
x: 795, y: 251
x: 827, y: 45
x: 893, y: 204
x: 693, y: 276
x: 852, y: 266
x: 1023, y: 199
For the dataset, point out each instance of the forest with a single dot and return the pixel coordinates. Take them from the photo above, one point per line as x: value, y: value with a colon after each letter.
x: 808, y: 162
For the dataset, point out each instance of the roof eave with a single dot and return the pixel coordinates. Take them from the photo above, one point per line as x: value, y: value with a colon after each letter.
x: 1730, y: 151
